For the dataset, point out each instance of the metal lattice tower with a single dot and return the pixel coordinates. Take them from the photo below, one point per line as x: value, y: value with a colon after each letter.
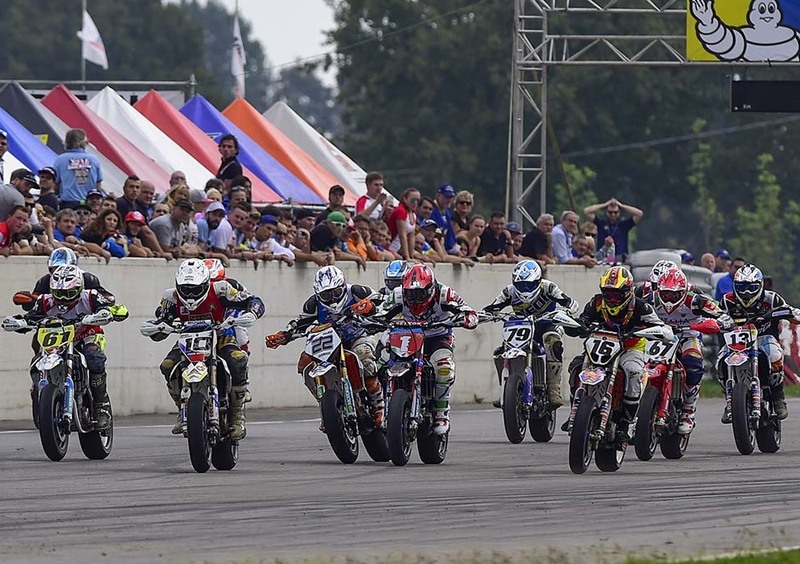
x: 536, y: 49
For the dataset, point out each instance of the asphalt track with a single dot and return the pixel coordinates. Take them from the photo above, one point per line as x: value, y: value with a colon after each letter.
x: 289, y: 499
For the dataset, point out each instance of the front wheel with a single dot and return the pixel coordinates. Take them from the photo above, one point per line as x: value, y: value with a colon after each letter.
x: 585, y: 422
x: 397, y: 427
x: 197, y: 431
x: 514, y: 417
x: 53, y: 435
x: 645, y: 439
x: 343, y: 441
x: 96, y: 445
x: 741, y: 407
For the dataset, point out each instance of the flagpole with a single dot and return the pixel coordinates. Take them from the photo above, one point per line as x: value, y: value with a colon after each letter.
x: 83, y: 61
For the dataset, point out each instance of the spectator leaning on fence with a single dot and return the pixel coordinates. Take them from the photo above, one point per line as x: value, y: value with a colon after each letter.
x: 537, y: 243
x: 15, y: 223
x: 443, y: 215
x: 562, y: 236
x: 371, y: 203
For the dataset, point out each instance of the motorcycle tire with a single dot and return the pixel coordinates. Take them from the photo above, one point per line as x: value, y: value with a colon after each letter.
x: 397, y: 427
x: 197, y: 431
x: 543, y: 428
x: 96, y: 445
x: 645, y: 439
x: 35, y: 406
x: 586, y: 420
x: 342, y: 439
x: 673, y: 446
x: 54, y: 440
x: 741, y: 407
x: 514, y: 418
x: 376, y: 445
x: 225, y: 455
x: 768, y: 434
x: 609, y: 458
x: 433, y: 448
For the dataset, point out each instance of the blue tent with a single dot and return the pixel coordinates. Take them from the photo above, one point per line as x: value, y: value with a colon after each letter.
x: 24, y: 145
x: 265, y: 166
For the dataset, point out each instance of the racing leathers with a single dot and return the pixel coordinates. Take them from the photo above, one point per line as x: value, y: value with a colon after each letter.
x: 89, y: 340
x: 439, y: 342
x: 761, y: 314
x: 547, y: 333
x: 639, y: 316
x: 354, y: 338
x: 693, y: 309
x: 221, y: 299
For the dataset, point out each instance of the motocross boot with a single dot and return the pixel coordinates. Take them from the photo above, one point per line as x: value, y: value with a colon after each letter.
x: 779, y: 401
x: 554, y: 385
x: 690, y: 395
x: 377, y: 405
x: 726, y: 413
x: 177, y: 429
x: 441, y: 418
x: 101, y: 408
x: 238, y: 429
x: 628, y: 416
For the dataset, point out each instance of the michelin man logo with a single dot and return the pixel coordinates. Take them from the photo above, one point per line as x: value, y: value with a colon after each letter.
x: 765, y: 39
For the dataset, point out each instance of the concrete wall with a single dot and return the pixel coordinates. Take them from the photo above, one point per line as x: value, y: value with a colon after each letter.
x: 136, y: 385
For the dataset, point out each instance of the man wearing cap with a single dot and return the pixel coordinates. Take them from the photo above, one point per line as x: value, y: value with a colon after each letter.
x: 305, y: 218
x: 371, y: 204
x: 94, y: 201
x: 77, y: 171
x: 613, y: 226
x: 172, y: 230
x: 214, y: 214
x: 3, y: 149
x: 268, y: 247
x: 722, y: 260
x: 443, y: 217
x: 328, y: 236
x: 335, y: 199
x: 47, y: 188
x: 687, y: 258
x: 13, y: 194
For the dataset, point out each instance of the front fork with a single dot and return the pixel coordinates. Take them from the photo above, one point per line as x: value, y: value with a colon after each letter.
x: 527, y: 380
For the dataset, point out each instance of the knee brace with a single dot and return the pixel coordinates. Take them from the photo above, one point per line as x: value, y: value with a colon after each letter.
x: 443, y: 366
x: 95, y: 359
x: 365, y: 352
x: 693, y: 365
x: 237, y: 364
x: 553, y: 346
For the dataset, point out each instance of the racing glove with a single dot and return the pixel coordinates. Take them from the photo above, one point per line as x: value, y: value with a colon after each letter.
x: 276, y: 339
x: 471, y: 320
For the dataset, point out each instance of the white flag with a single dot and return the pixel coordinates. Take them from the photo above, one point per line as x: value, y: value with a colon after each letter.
x: 238, y: 59
x: 93, y: 49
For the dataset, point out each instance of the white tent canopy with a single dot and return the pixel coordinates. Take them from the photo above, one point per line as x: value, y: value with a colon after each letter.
x: 10, y: 164
x: 318, y: 147
x: 148, y: 138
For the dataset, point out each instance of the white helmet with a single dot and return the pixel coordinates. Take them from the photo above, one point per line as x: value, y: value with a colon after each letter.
x: 748, y: 284
x: 658, y: 269
x: 330, y: 287
x: 60, y: 257
x: 527, y: 280
x: 192, y: 282
x: 66, y: 285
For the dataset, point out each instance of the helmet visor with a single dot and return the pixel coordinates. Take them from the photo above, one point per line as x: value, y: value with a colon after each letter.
x: 192, y: 291
x: 416, y: 296
x: 670, y: 296
x: 747, y: 288
x: 393, y: 283
x: 615, y: 296
x: 68, y: 295
x: 331, y: 296
x: 526, y: 287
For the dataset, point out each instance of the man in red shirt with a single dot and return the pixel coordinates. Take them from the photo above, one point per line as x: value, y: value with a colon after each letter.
x: 371, y: 203
x: 14, y: 224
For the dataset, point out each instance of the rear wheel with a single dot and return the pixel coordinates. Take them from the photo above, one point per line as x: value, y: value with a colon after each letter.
x: 340, y: 435
x: 52, y: 433
x: 741, y: 407
x: 225, y: 455
x: 35, y: 405
x: 580, y: 454
x: 514, y: 416
x: 433, y: 448
x: 376, y: 445
x: 543, y: 428
x: 609, y: 458
x: 768, y: 434
x: 197, y: 431
x: 645, y: 439
x: 96, y: 445
x: 673, y: 446
x: 397, y: 427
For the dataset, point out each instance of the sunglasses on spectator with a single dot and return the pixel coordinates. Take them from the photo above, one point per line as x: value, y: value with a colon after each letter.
x: 590, y: 234
x: 82, y: 212
x: 338, y: 224
x: 414, y: 200
x: 464, y: 202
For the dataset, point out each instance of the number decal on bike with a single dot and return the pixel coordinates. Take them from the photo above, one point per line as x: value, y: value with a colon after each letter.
x: 53, y: 337
x: 517, y: 334
x: 740, y: 338
x: 198, y: 343
x: 405, y: 341
x: 322, y: 343
x: 601, y: 350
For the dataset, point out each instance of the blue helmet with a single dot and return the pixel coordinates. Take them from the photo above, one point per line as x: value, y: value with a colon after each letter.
x: 60, y: 257
x: 527, y: 279
x: 394, y: 274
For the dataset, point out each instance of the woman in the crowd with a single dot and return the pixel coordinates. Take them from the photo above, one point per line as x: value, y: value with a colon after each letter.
x: 104, y: 233
x: 464, y: 204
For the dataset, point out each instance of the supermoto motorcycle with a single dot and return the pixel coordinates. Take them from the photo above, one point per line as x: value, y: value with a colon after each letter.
x: 752, y: 413
x: 660, y: 406
x: 336, y: 376
x: 63, y: 396
x: 205, y: 393
x: 597, y: 407
x: 521, y: 369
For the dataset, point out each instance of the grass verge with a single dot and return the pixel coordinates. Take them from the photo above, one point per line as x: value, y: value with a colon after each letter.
x: 711, y: 389
x: 771, y: 557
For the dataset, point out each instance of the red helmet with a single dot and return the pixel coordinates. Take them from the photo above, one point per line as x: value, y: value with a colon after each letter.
x: 419, y: 288
x: 215, y: 269
x: 672, y: 288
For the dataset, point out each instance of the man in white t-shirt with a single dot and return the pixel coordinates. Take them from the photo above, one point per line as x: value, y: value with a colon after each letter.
x: 371, y: 203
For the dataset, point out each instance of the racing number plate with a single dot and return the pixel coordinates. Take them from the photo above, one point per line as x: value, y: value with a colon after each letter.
x: 517, y: 333
x: 321, y: 344
x: 741, y: 337
x: 54, y: 337
x: 405, y: 342
x: 601, y: 348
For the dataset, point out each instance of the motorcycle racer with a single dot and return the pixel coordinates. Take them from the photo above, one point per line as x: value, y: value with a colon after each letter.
x: 193, y: 298
x: 616, y: 308
x: 531, y: 296
x: 645, y: 291
x: 679, y: 307
x: 750, y: 301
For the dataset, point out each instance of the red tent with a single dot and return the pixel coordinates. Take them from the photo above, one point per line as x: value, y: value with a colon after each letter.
x: 180, y: 129
x: 277, y: 144
x: 108, y: 140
